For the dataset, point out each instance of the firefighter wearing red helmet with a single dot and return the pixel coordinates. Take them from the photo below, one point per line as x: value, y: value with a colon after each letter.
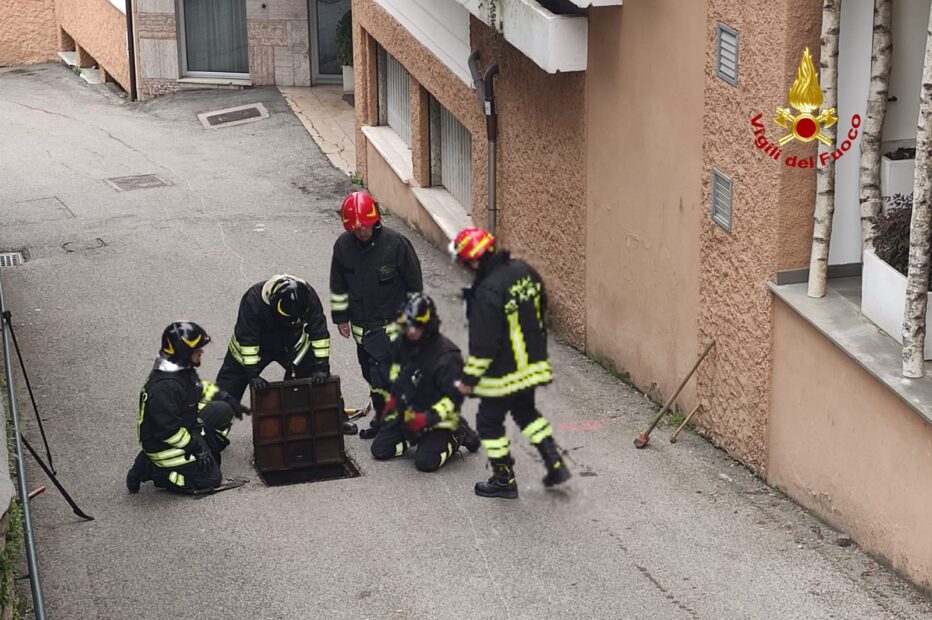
x: 373, y: 271
x: 508, y: 360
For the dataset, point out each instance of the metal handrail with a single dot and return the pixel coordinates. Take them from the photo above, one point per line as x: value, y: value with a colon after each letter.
x: 32, y: 560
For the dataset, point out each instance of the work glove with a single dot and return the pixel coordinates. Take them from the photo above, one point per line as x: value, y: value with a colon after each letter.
x: 417, y: 421
x: 199, y: 449
x: 260, y: 384
x: 319, y: 377
x: 238, y: 408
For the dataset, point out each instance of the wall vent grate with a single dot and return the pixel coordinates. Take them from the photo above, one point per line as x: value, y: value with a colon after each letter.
x: 727, y: 54
x: 722, y: 192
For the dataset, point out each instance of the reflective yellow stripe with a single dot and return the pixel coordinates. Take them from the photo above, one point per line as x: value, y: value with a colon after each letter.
x: 496, y: 448
x: 209, y: 391
x: 246, y: 358
x: 537, y: 430
x: 178, y: 461
x: 392, y: 330
x: 301, y: 348
x: 339, y: 302
x: 321, y: 347
x: 383, y: 393
x: 400, y: 447
x: 517, y: 341
x: 393, y: 372
x: 357, y: 333
x: 165, y: 454
x: 444, y: 408
x: 476, y: 366
x: 446, y: 454
x: 176, y: 478
x: 534, y: 374
x: 179, y: 439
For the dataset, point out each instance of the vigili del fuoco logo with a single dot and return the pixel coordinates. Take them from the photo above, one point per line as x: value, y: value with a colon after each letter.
x: 805, y: 97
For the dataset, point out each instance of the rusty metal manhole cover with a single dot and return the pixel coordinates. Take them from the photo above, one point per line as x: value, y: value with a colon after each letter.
x: 11, y: 259
x: 138, y: 181
x: 233, y: 116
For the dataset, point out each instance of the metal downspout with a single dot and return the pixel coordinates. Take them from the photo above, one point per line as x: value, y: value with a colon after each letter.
x: 32, y: 560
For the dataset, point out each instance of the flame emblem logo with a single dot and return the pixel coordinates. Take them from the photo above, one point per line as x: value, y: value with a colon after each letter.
x: 806, y: 97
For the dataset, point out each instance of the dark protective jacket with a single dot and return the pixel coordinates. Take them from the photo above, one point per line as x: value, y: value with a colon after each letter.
x: 506, y: 306
x: 423, y: 375
x: 168, y: 412
x: 370, y: 281
x: 259, y: 335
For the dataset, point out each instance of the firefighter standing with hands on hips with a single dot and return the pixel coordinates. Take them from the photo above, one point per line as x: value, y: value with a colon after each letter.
x: 373, y: 272
x: 280, y: 320
x: 183, y: 422
x: 424, y: 406
x: 508, y: 360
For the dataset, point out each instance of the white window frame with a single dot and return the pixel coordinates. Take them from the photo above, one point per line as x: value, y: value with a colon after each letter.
x: 183, y: 52
x: 459, y: 184
x: 398, y: 120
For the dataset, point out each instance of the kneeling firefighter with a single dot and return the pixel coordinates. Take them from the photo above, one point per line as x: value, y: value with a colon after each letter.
x: 424, y: 406
x: 183, y: 422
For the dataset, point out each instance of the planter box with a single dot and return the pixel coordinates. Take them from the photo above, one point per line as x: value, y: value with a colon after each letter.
x: 896, y: 176
x: 348, y: 88
x: 883, y: 299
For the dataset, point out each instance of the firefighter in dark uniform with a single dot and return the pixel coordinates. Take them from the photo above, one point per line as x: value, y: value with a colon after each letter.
x: 373, y: 271
x: 424, y: 406
x: 507, y: 361
x: 280, y: 320
x: 183, y: 422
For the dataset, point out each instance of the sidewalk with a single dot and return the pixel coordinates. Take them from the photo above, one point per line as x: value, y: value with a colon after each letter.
x: 330, y: 121
x: 666, y: 532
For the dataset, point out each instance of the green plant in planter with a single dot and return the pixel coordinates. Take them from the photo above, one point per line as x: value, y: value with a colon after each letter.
x: 345, y: 40
x: 891, y: 232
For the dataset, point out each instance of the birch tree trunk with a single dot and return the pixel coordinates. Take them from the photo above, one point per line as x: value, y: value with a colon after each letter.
x: 825, y: 176
x: 881, y: 61
x: 917, y: 280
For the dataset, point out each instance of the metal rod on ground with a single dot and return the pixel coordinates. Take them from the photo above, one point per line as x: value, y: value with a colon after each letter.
x: 32, y: 559
x: 641, y: 440
x: 55, y: 481
x: 683, y: 425
x: 8, y: 317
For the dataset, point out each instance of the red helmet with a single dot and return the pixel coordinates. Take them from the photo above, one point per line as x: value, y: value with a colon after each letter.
x: 471, y: 243
x: 359, y: 210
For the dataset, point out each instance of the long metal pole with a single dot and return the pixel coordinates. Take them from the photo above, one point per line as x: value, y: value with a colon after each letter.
x: 492, y: 211
x: 32, y: 560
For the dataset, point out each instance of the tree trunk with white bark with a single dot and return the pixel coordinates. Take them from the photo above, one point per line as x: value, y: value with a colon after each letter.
x: 917, y: 279
x: 825, y: 176
x: 881, y: 61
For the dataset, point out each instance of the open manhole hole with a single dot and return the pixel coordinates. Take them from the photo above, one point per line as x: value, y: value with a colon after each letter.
x: 317, y: 473
x: 11, y: 259
x: 233, y: 116
x: 137, y: 181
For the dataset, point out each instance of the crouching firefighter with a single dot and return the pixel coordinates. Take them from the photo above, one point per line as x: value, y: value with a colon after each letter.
x: 280, y: 320
x: 183, y: 422
x: 424, y: 406
x: 508, y: 360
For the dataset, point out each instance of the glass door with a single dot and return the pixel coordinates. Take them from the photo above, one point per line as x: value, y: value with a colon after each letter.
x: 324, y: 15
x: 214, y: 40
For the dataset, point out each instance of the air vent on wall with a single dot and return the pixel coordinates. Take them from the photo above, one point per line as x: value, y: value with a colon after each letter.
x: 721, y: 199
x: 727, y: 54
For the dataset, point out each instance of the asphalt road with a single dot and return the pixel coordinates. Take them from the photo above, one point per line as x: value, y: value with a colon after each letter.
x: 668, y: 532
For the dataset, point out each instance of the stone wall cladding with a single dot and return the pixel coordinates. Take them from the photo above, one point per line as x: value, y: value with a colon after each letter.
x: 100, y: 29
x: 27, y: 32
x: 156, y: 87
x: 541, y: 150
x: 156, y: 26
x: 735, y: 304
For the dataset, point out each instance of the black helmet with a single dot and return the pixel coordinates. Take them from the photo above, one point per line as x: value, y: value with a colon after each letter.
x: 180, y: 340
x: 290, y: 298
x: 420, y: 311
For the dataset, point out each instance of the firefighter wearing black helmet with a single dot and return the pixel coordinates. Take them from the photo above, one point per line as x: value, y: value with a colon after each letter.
x: 183, y: 421
x: 280, y: 320
x: 424, y: 406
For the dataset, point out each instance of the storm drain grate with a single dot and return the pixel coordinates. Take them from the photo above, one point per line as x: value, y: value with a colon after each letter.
x: 11, y: 259
x: 233, y: 116
x: 318, y: 473
x: 138, y: 181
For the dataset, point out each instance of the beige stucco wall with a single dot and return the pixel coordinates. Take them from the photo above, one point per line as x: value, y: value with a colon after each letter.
x: 27, y: 32
x: 848, y: 448
x: 541, y: 156
x: 100, y: 29
x: 772, y: 205
x: 644, y: 168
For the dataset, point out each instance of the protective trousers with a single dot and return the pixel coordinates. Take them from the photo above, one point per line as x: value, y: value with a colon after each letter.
x: 434, y: 447
x: 490, y: 423
x: 375, y: 359
x: 233, y: 377
x: 218, y: 418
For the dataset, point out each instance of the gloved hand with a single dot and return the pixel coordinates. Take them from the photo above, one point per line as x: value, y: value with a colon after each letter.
x: 199, y: 449
x: 261, y: 385
x: 238, y: 408
x: 319, y: 377
x: 391, y: 404
x: 418, y: 420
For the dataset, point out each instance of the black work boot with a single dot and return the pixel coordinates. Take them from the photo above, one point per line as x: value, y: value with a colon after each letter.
x: 349, y: 428
x: 138, y: 473
x: 502, y: 483
x: 372, y: 430
x: 557, y: 471
x: 465, y: 436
